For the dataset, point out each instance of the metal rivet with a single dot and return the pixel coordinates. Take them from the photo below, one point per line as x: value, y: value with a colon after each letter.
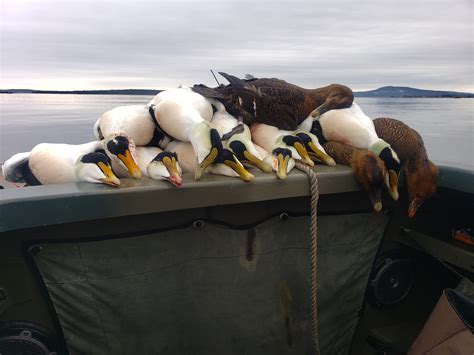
x: 35, y: 250
x: 198, y: 224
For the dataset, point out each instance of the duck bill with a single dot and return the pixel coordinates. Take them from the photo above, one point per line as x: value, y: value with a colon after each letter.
x: 282, y: 166
x: 304, y: 154
x: 376, y: 199
x: 130, y: 164
x: 110, y: 178
x: 240, y: 170
x: 171, y: 165
x: 252, y: 159
x: 413, y: 207
x: 320, y: 155
x: 393, y: 179
x: 208, y: 160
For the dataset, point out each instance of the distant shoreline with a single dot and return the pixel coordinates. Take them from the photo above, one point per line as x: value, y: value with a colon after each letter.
x: 383, y: 92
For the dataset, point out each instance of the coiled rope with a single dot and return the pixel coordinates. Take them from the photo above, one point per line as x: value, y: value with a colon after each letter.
x: 314, y: 188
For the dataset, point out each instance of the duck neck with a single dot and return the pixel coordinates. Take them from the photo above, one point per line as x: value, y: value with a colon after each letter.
x: 199, y: 136
x: 378, y: 146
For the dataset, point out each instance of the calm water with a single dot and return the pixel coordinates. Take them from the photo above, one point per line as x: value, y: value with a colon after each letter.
x: 446, y: 125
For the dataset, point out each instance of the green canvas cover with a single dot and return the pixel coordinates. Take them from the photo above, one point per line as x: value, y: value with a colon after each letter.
x: 213, y: 290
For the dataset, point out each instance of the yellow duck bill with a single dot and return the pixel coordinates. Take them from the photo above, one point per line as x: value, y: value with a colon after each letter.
x: 393, y: 189
x: 282, y: 166
x: 110, y: 178
x: 318, y: 154
x: 171, y: 165
x: 208, y: 160
x: 303, y: 153
x: 252, y: 159
x: 130, y: 164
x: 240, y: 170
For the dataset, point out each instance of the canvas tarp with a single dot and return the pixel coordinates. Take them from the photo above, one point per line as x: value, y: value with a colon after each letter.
x: 213, y: 290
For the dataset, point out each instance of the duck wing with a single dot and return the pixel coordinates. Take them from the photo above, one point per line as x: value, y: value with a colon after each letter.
x: 13, y: 168
x: 270, y: 101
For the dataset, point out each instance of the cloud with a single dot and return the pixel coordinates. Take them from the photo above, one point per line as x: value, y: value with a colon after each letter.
x: 160, y: 44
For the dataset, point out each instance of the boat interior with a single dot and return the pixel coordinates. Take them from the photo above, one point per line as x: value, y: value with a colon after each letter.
x: 220, y: 266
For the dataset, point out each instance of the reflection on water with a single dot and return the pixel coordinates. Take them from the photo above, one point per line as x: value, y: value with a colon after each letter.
x: 446, y: 125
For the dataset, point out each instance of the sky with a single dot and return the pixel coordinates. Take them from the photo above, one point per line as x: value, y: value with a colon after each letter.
x: 67, y: 45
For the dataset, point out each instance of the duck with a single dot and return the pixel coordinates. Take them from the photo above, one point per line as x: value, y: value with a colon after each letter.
x: 125, y: 127
x: 283, y: 147
x: 278, y: 159
x: 236, y: 137
x: 276, y: 102
x: 188, y: 162
x: 369, y: 170
x: 420, y: 172
x: 156, y: 164
x: 136, y: 121
x: 53, y: 163
x: 179, y: 114
x: 353, y: 127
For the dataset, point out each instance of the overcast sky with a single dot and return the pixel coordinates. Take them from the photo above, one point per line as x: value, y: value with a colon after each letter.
x: 59, y: 44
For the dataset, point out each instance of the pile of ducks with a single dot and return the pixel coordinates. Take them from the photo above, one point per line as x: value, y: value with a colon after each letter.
x: 268, y: 124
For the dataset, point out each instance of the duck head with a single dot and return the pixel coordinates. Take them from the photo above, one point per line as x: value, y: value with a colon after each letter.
x: 121, y: 148
x: 96, y: 168
x: 392, y: 163
x: 165, y: 166
x: 314, y: 148
x: 207, y: 144
x: 246, y: 153
x: 296, y: 146
x: 281, y: 161
x: 371, y: 173
x: 422, y: 182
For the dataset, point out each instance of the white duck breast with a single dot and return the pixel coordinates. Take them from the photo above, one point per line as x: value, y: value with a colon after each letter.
x: 134, y: 120
x: 188, y: 96
x: 55, y: 163
x: 186, y: 155
x: 349, y: 126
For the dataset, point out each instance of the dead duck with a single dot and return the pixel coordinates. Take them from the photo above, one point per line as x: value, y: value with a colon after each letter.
x: 278, y: 159
x: 49, y: 163
x: 156, y: 164
x: 237, y: 138
x: 125, y: 127
x: 188, y: 160
x: 421, y: 173
x: 369, y: 170
x: 353, y: 127
x: 185, y: 115
x: 270, y: 137
x: 276, y: 102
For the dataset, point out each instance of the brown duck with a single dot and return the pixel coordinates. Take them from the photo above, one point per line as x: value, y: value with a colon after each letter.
x: 276, y: 102
x: 369, y: 170
x: 421, y: 174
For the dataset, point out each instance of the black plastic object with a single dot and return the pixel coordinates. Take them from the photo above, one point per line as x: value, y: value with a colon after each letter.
x: 20, y: 337
x: 391, y: 280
